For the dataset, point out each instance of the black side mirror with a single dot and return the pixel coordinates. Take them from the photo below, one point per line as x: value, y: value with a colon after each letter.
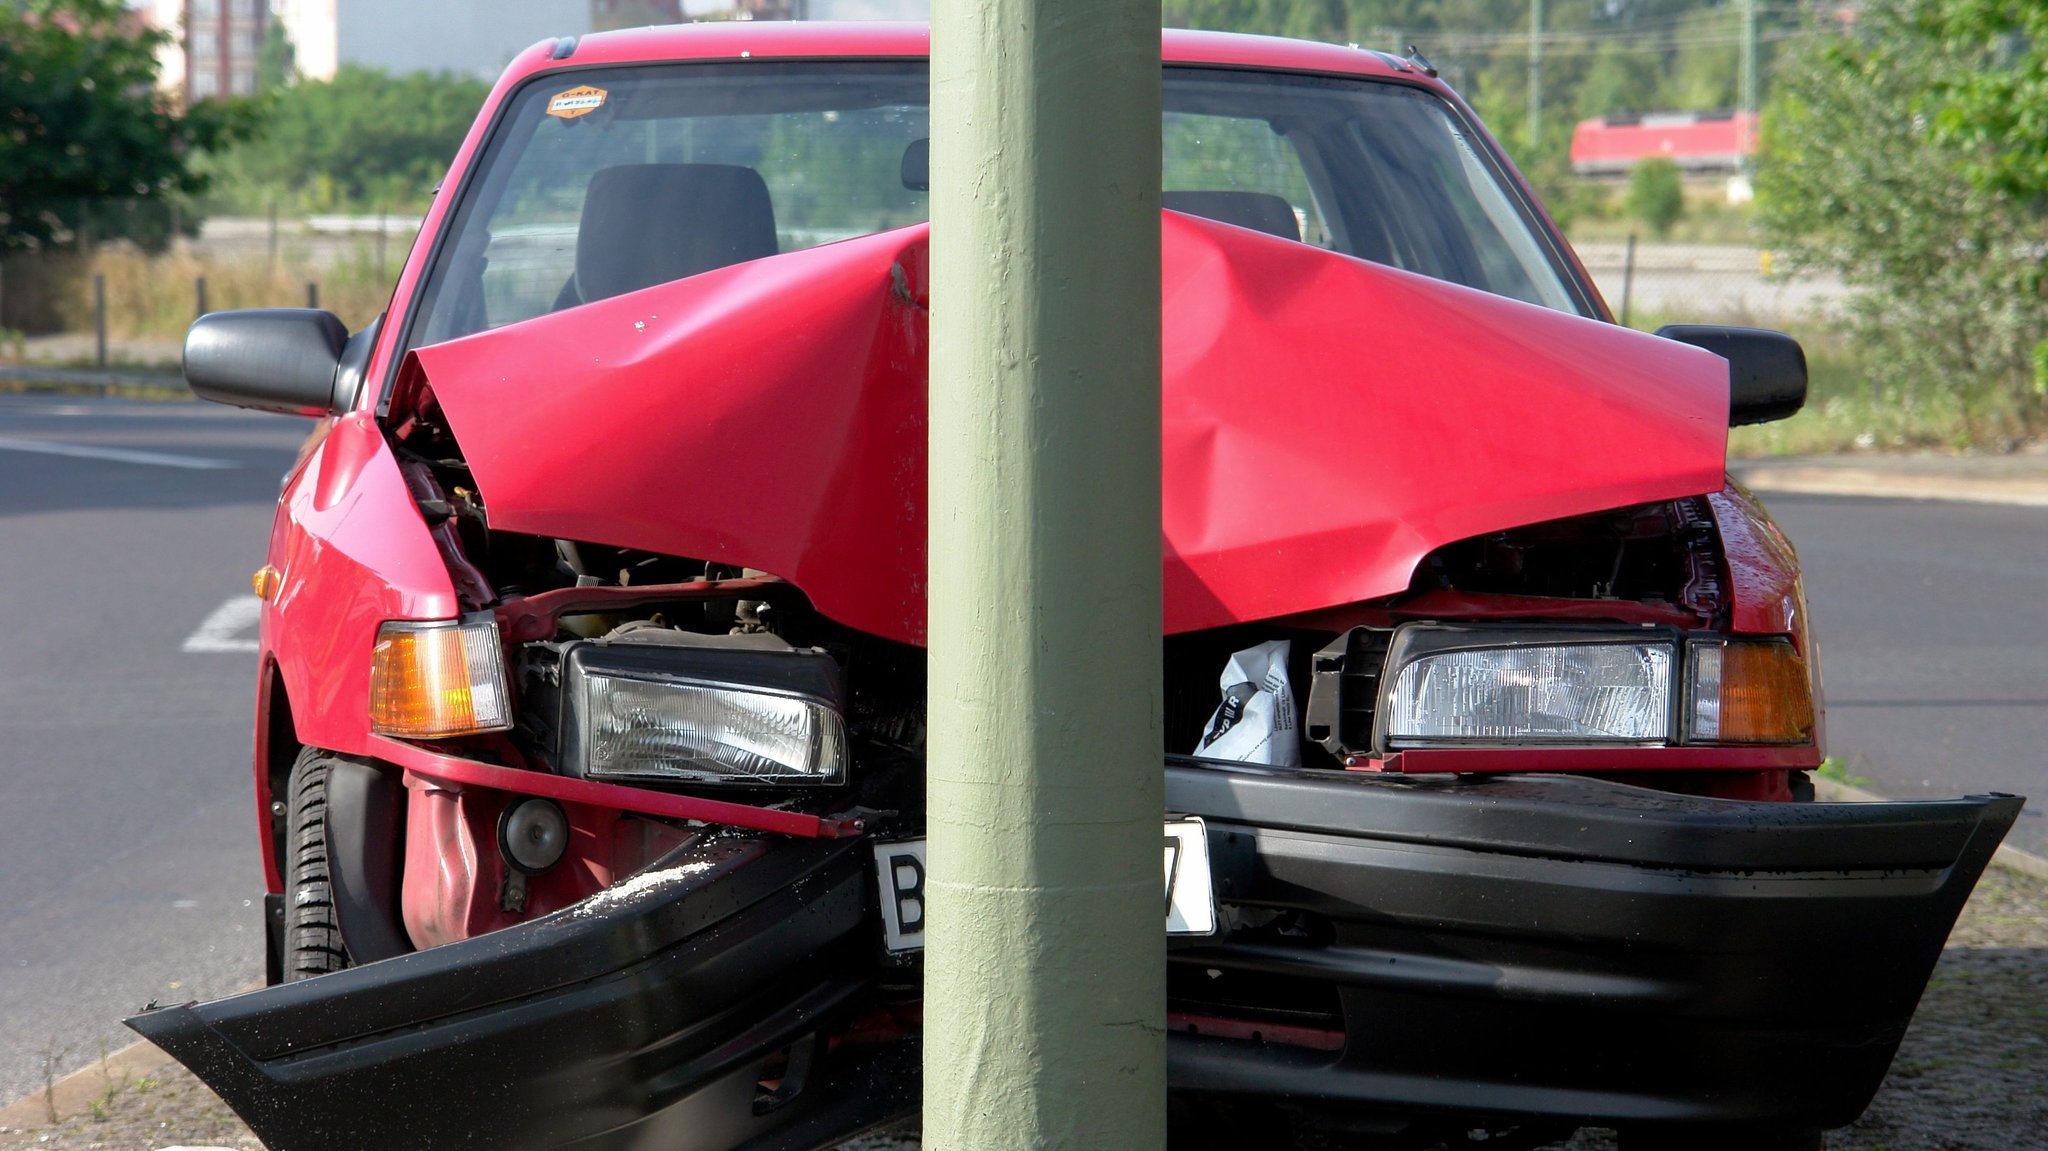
x: 270, y: 359
x: 1766, y: 370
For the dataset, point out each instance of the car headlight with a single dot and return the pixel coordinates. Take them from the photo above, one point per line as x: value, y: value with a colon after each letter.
x: 1452, y: 685
x: 701, y: 711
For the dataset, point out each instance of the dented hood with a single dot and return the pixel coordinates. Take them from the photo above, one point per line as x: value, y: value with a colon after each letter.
x: 1327, y: 422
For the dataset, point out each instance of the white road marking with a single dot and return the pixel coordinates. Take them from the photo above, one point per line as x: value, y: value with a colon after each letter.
x: 118, y: 455
x: 222, y: 630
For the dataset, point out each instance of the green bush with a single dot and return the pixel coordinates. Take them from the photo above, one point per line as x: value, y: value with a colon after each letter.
x: 1655, y: 195
x: 1872, y: 168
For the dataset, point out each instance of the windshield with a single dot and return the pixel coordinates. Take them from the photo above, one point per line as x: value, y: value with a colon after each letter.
x: 601, y: 182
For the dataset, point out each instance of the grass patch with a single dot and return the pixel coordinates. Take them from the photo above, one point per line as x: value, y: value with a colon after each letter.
x: 1846, y: 411
x: 1832, y: 769
x: 157, y: 297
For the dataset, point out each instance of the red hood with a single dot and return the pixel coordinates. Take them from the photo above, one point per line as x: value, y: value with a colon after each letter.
x: 1327, y: 422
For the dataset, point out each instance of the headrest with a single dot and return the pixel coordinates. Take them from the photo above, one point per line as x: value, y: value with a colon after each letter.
x: 1259, y: 211
x: 647, y: 224
x: 917, y: 165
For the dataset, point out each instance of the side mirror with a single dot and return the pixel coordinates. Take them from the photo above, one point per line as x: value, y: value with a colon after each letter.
x: 1766, y: 370
x: 270, y: 359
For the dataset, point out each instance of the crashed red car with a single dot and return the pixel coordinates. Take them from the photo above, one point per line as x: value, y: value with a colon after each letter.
x: 589, y: 745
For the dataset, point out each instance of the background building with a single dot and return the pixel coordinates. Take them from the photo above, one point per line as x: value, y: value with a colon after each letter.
x: 477, y: 37
x: 609, y: 14
x: 214, y: 45
x: 217, y: 42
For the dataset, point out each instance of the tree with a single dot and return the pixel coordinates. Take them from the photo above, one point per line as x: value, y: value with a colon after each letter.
x: 277, y: 62
x: 1655, y: 195
x: 81, y: 124
x: 1997, y: 112
x: 1866, y: 171
x: 364, y: 140
x: 1605, y: 58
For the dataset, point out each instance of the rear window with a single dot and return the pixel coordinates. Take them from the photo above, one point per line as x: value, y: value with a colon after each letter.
x: 601, y: 182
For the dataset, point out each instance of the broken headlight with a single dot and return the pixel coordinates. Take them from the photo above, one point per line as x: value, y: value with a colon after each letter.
x: 675, y: 707
x: 1457, y: 685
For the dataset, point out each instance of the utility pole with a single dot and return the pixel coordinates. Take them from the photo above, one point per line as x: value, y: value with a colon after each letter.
x: 1746, y: 137
x: 1535, y: 81
x: 1045, y: 961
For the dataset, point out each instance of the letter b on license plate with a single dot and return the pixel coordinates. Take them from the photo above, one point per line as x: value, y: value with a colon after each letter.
x: 1190, y: 900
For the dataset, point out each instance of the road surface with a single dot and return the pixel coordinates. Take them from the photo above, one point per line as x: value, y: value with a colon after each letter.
x: 1933, y: 625
x: 128, y: 867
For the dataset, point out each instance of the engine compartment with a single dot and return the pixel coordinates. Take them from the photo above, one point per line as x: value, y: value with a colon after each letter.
x: 1657, y: 563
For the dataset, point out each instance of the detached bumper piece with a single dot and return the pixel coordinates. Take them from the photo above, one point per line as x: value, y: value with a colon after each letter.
x: 1529, y: 947
x: 679, y: 1009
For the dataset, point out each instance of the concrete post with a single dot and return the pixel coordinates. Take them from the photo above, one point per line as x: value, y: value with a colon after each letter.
x: 1045, y: 960
x: 1746, y: 96
x: 1535, y: 143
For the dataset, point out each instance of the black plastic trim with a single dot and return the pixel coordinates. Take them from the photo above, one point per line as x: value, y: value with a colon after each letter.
x: 1569, y: 948
x: 636, y: 1017
x: 1518, y: 946
x: 365, y: 851
x: 1766, y: 369
x: 269, y: 359
x: 1581, y: 819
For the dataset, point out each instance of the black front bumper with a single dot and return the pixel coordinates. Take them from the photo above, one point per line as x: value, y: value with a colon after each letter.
x: 1512, y: 947
x: 1553, y: 946
x: 644, y: 1017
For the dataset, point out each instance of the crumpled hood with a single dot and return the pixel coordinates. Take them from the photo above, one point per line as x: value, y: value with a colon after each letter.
x: 1327, y: 422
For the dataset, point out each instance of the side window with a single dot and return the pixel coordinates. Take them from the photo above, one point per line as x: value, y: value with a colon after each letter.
x: 1239, y: 171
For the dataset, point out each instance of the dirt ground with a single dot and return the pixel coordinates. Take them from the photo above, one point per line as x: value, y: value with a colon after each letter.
x: 1971, y: 1076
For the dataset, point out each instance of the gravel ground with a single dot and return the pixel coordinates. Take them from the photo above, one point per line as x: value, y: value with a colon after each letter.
x: 1971, y: 1076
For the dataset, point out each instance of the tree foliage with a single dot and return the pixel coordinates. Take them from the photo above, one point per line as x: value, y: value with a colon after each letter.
x: 84, y: 137
x: 364, y: 141
x: 1996, y: 111
x: 1607, y: 58
x: 1866, y: 171
x: 1655, y: 195
x: 277, y: 61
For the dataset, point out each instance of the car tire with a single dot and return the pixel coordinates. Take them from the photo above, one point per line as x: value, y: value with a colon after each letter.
x: 312, y: 930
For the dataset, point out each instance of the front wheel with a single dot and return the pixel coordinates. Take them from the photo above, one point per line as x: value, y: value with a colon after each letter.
x: 312, y: 931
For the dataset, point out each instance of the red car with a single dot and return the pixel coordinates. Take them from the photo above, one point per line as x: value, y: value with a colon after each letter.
x: 589, y: 740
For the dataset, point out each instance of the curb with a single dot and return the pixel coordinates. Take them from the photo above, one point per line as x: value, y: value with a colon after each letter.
x: 1892, y: 483
x: 2007, y: 856
x: 75, y: 1092
x: 24, y: 378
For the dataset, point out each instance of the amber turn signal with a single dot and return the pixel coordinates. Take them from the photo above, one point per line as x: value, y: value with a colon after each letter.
x: 1749, y: 692
x: 264, y: 582
x: 440, y: 678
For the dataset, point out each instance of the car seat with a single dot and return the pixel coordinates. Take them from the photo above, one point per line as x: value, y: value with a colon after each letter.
x: 647, y: 224
x: 1259, y: 211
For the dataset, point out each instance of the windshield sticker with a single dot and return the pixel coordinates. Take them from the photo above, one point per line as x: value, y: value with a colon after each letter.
x: 580, y: 101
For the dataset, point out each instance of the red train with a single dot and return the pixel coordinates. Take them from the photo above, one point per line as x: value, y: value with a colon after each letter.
x: 1695, y: 141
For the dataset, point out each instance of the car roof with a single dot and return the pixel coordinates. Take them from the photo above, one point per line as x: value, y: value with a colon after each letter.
x: 743, y: 39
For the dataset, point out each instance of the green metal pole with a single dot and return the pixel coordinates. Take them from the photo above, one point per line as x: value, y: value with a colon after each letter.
x: 1535, y: 81
x: 1748, y: 96
x: 1045, y: 958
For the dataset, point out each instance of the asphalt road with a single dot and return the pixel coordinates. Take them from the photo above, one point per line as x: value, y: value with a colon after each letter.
x: 128, y: 868
x: 1933, y: 627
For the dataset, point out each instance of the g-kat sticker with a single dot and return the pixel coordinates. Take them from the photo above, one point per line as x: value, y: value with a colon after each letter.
x: 579, y: 101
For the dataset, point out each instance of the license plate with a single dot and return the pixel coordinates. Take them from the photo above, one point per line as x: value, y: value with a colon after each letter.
x: 1190, y: 899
